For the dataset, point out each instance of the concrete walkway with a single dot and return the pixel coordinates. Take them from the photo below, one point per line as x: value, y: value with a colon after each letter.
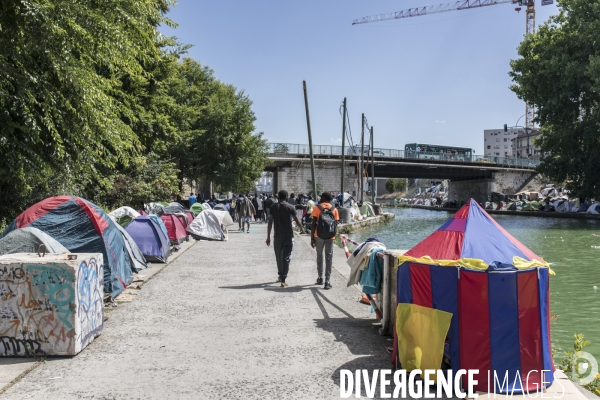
x: 213, y: 324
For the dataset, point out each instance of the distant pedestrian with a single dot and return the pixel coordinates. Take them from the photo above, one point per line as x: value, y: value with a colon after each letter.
x: 418, y: 151
x: 267, y: 206
x: 323, y: 231
x: 192, y: 199
x: 238, y: 209
x: 259, y: 208
x: 281, y: 215
x: 247, y: 211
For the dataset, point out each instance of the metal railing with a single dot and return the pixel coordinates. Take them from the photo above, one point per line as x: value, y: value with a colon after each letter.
x: 280, y: 149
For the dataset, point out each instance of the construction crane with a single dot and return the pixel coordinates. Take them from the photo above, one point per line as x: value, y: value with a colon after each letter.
x: 467, y: 5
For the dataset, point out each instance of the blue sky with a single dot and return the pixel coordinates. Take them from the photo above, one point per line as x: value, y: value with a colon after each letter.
x: 437, y: 79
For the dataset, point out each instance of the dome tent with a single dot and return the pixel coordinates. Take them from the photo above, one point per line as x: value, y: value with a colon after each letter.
x: 82, y: 227
x: 124, y: 215
x: 149, y: 237
x: 496, y: 292
x: 175, y: 229
x: 210, y: 225
x: 28, y: 240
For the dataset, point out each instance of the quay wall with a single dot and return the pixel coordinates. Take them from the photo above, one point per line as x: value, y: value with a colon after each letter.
x: 539, y: 214
x: 367, y: 222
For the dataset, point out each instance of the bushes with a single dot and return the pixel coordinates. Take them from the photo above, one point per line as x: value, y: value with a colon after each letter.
x: 396, y: 185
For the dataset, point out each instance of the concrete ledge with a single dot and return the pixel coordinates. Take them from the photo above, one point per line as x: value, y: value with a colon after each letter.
x: 370, y: 221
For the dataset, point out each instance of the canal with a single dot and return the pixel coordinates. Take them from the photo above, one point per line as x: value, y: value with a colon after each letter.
x: 567, y: 244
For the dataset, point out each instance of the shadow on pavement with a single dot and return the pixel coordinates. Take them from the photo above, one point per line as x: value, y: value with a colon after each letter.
x: 359, y: 335
x: 272, y: 287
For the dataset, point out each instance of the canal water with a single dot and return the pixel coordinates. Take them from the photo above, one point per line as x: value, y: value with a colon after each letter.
x: 567, y: 244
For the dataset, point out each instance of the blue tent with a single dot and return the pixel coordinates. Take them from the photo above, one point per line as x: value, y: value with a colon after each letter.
x: 150, y: 239
x: 82, y: 227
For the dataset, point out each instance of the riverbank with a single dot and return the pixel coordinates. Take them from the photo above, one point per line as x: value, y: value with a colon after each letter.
x: 539, y: 214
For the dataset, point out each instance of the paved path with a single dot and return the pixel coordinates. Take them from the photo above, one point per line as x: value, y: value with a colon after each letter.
x: 213, y: 325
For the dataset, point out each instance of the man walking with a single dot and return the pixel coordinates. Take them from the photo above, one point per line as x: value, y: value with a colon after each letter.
x: 281, y: 215
x: 267, y: 206
x: 323, y: 231
x: 247, y: 210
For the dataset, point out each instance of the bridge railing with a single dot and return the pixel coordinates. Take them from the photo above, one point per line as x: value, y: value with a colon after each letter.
x: 280, y: 149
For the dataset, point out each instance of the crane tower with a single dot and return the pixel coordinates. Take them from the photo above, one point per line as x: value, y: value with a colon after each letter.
x: 467, y: 5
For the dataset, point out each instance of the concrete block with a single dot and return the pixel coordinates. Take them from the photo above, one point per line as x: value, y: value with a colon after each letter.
x: 49, y: 305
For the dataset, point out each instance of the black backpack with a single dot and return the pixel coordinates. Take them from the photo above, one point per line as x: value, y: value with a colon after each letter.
x: 327, y: 225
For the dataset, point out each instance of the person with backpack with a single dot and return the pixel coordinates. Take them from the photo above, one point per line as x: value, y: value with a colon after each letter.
x: 281, y: 215
x: 323, y: 230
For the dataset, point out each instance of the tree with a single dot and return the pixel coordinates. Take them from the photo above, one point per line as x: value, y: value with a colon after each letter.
x: 389, y: 185
x: 396, y: 185
x: 61, y: 64
x: 559, y: 72
x: 222, y: 145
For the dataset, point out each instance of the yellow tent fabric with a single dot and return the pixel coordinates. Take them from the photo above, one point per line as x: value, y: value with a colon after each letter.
x: 472, y: 263
x: 421, y: 335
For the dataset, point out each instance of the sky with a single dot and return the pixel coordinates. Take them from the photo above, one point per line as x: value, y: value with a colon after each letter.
x: 436, y: 79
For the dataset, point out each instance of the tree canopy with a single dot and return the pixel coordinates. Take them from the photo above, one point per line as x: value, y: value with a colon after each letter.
x: 559, y: 72
x: 96, y: 102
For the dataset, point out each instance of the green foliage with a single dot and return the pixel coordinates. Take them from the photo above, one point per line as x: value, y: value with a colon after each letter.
x: 396, y: 185
x: 569, y: 361
x: 95, y: 102
x: 148, y: 178
x: 559, y: 72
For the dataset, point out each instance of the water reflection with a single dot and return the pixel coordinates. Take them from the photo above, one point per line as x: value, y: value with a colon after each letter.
x: 565, y: 243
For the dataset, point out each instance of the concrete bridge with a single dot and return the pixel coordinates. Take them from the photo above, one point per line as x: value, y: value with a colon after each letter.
x: 470, y: 176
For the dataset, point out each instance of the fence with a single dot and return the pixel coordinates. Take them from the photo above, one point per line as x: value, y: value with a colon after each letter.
x: 278, y: 149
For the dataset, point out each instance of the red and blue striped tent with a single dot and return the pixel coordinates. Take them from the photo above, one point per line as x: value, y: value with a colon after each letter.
x: 497, y: 291
x: 82, y: 227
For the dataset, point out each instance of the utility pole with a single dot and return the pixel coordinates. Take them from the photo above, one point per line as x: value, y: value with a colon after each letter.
x: 372, y: 170
x: 343, y: 150
x: 310, y: 145
x: 362, y: 160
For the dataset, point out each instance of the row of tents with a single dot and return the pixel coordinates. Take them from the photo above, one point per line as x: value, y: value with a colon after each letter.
x: 127, y: 239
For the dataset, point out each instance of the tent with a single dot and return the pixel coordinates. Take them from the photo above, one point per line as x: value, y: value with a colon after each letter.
x: 183, y: 218
x: 161, y: 224
x: 124, y: 215
x: 150, y: 239
x: 175, y: 229
x: 174, y: 208
x: 28, y: 240
x: 593, y: 209
x: 135, y: 254
x: 196, y: 208
x: 496, y: 292
x: 210, y: 225
x: 190, y: 216
x: 82, y: 227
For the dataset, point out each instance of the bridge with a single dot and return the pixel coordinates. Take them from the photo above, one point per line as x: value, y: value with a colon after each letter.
x: 473, y: 176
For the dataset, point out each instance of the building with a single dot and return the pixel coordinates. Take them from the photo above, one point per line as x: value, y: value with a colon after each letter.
x: 497, y: 143
x: 525, y: 146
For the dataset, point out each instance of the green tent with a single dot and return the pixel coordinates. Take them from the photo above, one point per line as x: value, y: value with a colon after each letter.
x: 531, y: 206
x: 196, y: 208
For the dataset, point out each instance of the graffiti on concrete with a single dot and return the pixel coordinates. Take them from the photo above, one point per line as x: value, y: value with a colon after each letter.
x: 90, y: 299
x: 49, y: 308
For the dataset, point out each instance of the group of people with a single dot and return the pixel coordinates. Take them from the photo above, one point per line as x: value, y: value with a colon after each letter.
x: 324, y: 218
